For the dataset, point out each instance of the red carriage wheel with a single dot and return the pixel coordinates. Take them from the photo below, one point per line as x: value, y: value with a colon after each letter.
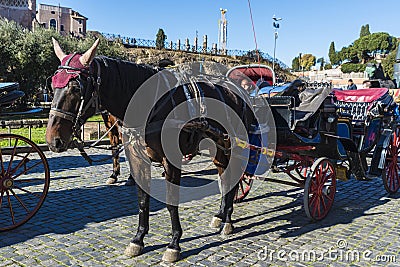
x: 187, y: 158
x: 244, y: 187
x: 320, y: 189
x: 390, y: 176
x: 24, y: 180
x: 302, y: 169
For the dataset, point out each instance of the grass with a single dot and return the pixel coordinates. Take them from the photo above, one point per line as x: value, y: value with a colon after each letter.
x: 37, y: 134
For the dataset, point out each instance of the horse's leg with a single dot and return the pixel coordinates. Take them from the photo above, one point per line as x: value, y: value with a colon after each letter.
x: 224, y: 214
x: 113, y: 135
x: 140, y: 169
x: 217, y: 219
x: 229, y: 181
x: 173, y: 176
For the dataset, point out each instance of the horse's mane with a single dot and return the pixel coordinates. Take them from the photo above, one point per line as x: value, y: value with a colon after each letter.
x: 119, y: 81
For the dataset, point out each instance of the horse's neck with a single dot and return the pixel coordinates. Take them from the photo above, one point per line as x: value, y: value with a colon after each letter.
x: 119, y: 82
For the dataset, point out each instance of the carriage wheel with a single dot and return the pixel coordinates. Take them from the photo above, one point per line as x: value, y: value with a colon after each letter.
x: 320, y: 189
x: 390, y: 176
x: 302, y: 170
x: 245, y: 184
x: 24, y: 180
x: 187, y: 158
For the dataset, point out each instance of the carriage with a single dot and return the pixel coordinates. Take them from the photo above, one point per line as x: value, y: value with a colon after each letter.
x: 25, y: 174
x: 324, y: 134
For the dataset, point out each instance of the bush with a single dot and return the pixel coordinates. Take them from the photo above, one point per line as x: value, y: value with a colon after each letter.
x: 352, y: 67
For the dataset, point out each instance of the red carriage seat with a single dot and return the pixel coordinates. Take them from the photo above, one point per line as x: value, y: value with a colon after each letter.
x: 362, y: 95
x: 357, y: 103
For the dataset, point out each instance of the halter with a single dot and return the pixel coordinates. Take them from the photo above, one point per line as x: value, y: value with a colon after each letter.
x: 94, y: 100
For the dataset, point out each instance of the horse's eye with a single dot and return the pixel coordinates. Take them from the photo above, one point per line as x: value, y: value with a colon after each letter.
x: 75, y: 89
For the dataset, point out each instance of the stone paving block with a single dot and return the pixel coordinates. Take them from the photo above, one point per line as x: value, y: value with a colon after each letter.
x: 80, y: 225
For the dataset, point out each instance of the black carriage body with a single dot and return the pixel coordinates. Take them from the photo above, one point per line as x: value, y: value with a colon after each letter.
x: 305, y: 132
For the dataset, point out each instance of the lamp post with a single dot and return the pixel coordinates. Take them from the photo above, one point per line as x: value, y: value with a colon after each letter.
x: 275, y: 24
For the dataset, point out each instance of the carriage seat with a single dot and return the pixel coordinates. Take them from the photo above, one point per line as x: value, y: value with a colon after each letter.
x: 9, y: 94
x: 7, y: 87
x: 289, y: 114
x: 358, y: 103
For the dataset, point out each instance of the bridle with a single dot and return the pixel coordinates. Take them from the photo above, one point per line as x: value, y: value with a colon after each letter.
x: 93, y: 84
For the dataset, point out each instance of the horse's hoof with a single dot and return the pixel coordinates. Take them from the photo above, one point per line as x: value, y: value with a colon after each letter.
x: 171, y: 255
x: 111, y: 180
x: 133, y: 250
x: 130, y: 182
x: 227, y: 229
x: 216, y: 222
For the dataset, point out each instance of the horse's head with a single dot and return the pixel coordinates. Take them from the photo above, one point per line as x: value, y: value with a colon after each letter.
x: 75, y: 97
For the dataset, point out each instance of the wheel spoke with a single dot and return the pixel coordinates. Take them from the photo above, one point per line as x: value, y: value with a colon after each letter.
x: 26, y: 191
x: 2, y: 162
x: 11, y: 208
x: 323, y: 202
x: 241, y: 186
x: 22, y: 162
x: 12, y: 154
x: 20, y: 201
x: 25, y: 171
x: 1, y: 198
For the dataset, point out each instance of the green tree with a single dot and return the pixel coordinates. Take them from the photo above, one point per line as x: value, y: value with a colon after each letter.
x: 307, y: 61
x: 160, y: 39
x: 368, y: 45
x: 333, y: 55
x: 321, y: 61
x: 389, y: 61
x: 296, y: 63
x: 348, y: 53
x: 364, y: 30
x: 28, y: 58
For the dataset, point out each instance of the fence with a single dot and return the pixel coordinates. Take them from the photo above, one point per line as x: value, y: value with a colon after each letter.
x: 91, y: 130
x: 187, y: 47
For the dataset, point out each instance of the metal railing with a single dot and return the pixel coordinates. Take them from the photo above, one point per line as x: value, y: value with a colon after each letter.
x: 186, y: 47
x: 91, y: 130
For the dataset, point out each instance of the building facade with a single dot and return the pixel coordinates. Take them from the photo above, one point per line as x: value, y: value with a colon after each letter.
x: 62, y: 19
x: 20, y: 11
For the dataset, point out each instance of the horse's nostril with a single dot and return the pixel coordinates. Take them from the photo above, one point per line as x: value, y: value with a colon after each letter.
x: 59, y: 143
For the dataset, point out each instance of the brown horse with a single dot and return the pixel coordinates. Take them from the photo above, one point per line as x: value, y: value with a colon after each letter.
x: 85, y: 82
x: 112, y: 126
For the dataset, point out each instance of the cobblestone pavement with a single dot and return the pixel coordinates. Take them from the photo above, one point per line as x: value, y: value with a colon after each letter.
x: 84, y: 222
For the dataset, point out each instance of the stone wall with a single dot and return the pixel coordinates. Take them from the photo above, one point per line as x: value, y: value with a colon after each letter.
x: 154, y: 56
x: 20, y: 11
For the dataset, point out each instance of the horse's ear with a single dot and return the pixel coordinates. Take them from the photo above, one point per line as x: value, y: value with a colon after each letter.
x: 57, y: 49
x: 87, y: 58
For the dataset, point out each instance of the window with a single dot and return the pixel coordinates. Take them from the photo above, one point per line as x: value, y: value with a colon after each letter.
x: 80, y: 30
x: 53, y: 24
x: 61, y: 27
x: 80, y: 21
x: 53, y: 12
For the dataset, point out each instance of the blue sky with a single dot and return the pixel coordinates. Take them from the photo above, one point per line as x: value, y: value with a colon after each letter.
x: 308, y: 26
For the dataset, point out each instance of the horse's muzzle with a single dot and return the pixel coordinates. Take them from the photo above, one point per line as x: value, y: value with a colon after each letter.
x: 57, y: 145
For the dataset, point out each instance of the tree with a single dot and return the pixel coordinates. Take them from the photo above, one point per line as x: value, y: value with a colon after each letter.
x: 28, y: 58
x: 364, y: 30
x: 348, y: 53
x: 321, y: 61
x: 367, y: 46
x: 307, y: 61
x: 333, y: 56
x: 160, y: 39
x: 296, y: 63
x: 389, y: 61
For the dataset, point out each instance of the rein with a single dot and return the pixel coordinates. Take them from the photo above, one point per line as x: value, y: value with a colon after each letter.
x: 84, y: 105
